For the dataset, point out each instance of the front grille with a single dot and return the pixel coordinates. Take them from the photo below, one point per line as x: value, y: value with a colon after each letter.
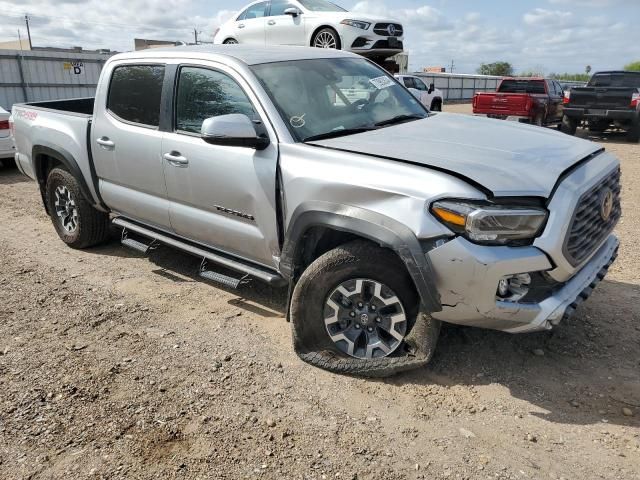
x: 588, y: 227
x: 384, y: 44
x: 383, y: 29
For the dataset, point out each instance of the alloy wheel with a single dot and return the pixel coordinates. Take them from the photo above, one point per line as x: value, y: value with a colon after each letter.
x: 66, y: 209
x: 325, y: 40
x: 365, y: 318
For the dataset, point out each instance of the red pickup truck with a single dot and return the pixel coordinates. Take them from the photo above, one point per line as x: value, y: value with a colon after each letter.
x: 533, y: 100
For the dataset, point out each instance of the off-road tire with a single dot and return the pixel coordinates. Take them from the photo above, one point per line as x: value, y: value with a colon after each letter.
x: 633, y: 135
x: 358, y: 259
x: 569, y: 125
x: 327, y: 31
x: 92, y: 226
x: 436, y: 105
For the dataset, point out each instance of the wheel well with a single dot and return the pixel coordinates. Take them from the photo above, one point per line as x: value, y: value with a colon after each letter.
x: 229, y: 38
x: 43, y: 165
x: 322, y: 27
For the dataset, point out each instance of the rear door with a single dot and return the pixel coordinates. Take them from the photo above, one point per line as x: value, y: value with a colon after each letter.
x: 126, y: 143
x: 220, y: 196
x: 249, y: 27
x: 281, y: 29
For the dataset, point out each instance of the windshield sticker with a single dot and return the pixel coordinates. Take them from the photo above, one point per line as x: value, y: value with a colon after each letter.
x: 381, y: 82
x: 297, y: 121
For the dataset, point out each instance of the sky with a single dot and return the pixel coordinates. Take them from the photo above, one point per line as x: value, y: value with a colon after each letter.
x: 544, y: 36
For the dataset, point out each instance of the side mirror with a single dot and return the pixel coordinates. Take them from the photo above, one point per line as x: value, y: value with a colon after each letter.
x: 233, y: 130
x: 432, y: 87
x: 293, y: 11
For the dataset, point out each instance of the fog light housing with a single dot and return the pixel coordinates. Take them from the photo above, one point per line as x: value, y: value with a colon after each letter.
x: 512, y: 288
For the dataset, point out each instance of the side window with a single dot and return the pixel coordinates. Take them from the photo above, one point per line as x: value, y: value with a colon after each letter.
x: 408, y: 82
x: 206, y: 93
x: 242, y: 16
x: 278, y: 7
x: 420, y: 84
x: 255, y: 11
x: 134, y: 93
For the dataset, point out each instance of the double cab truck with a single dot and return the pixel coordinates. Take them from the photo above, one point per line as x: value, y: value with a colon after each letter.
x: 255, y: 162
x: 532, y: 100
x: 610, y: 100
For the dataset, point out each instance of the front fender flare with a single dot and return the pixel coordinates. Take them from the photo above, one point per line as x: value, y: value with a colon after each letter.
x: 373, y: 226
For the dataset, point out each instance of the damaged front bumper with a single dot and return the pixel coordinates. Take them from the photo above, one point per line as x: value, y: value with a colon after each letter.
x: 467, y: 277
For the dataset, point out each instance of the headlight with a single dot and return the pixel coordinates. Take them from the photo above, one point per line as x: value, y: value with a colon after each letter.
x: 493, y: 224
x: 356, y: 23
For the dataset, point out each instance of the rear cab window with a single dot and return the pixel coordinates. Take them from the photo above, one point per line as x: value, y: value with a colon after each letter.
x: 522, y: 86
x: 135, y: 92
x: 618, y: 79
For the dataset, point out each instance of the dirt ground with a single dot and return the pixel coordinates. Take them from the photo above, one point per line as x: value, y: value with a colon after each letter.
x: 118, y: 366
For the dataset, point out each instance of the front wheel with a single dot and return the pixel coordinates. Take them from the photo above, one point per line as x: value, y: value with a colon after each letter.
x: 436, y: 105
x: 230, y: 41
x: 76, y: 221
x: 326, y: 38
x: 355, y: 310
x: 569, y: 125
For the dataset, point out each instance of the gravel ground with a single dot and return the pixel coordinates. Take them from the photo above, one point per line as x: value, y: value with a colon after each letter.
x: 117, y: 366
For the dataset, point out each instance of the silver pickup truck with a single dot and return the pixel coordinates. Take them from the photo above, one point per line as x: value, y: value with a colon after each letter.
x: 382, y: 218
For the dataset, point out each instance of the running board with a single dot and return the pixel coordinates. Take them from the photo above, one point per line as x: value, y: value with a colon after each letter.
x: 270, y: 277
x: 217, y: 277
x: 136, y: 245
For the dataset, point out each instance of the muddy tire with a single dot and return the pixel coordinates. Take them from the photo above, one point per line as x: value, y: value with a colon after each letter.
x: 633, y: 135
x: 413, y: 341
x: 569, y: 125
x: 76, y: 221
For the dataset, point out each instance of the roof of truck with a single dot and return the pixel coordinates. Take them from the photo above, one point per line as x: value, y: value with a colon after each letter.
x: 248, y: 54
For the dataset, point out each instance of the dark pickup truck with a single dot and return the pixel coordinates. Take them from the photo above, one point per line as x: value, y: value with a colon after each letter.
x: 610, y: 100
x: 533, y: 100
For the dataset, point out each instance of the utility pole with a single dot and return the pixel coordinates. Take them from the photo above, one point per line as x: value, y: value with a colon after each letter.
x: 452, y: 66
x: 26, y: 20
x: 195, y: 35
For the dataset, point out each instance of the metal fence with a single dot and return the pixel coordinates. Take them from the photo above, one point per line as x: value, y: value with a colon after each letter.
x: 31, y: 76
x: 460, y: 87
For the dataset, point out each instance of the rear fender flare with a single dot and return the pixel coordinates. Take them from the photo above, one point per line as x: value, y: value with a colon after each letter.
x: 373, y: 226
x: 40, y: 152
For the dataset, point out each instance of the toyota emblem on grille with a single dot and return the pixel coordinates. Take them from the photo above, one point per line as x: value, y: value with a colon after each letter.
x: 606, y: 204
x: 391, y: 29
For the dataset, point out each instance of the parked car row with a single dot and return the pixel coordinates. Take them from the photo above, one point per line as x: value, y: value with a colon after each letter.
x: 609, y: 100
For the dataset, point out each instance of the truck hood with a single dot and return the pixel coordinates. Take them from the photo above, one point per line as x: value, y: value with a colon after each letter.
x: 506, y: 158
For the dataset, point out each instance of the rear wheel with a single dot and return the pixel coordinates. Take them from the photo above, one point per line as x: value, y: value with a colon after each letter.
x: 538, y: 120
x: 633, y: 135
x: 355, y: 310
x: 569, y: 125
x: 230, y: 41
x: 326, y: 38
x: 77, y: 223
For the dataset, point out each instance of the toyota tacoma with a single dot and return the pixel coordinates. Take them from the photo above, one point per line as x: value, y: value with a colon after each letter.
x: 381, y: 218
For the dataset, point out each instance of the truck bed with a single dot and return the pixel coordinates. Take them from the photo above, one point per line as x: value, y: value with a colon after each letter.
x: 61, y: 126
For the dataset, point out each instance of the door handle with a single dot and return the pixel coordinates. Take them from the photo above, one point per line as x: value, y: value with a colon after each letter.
x: 241, y: 25
x: 105, y: 142
x: 271, y: 22
x: 175, y: 159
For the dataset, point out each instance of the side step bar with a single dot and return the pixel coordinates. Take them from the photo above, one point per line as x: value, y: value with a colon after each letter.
x: 217, y: 277
x: 272, y: 278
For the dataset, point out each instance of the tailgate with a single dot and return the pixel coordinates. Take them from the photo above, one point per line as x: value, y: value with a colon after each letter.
x: 502, y: 103
x: 605, y: 98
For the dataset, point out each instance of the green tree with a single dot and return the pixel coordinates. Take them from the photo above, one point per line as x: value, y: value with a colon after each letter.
x: 501, y: 69
x: 633, y: 66
x: 570, y: 77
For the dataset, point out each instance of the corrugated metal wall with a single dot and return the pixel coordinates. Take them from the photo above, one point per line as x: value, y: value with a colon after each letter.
x: 31, y: 76
x: 460, y: 87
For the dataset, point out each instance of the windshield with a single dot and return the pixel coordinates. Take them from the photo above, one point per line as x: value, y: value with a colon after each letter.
x: 321, y: 6
x: 332, y: 97
x: 615, y: 80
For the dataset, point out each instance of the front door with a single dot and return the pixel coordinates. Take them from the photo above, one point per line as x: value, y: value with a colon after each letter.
x: 281, y: 29
x: 220, y: 196
x: 126, y: 144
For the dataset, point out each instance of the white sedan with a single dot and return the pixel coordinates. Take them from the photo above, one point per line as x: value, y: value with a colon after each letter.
x: 430, y: 96
x: 316, y: 23
x: 6, y: 142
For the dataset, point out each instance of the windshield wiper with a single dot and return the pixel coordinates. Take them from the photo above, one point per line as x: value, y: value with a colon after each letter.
x: 338, y: 133
x: 400, y: 119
